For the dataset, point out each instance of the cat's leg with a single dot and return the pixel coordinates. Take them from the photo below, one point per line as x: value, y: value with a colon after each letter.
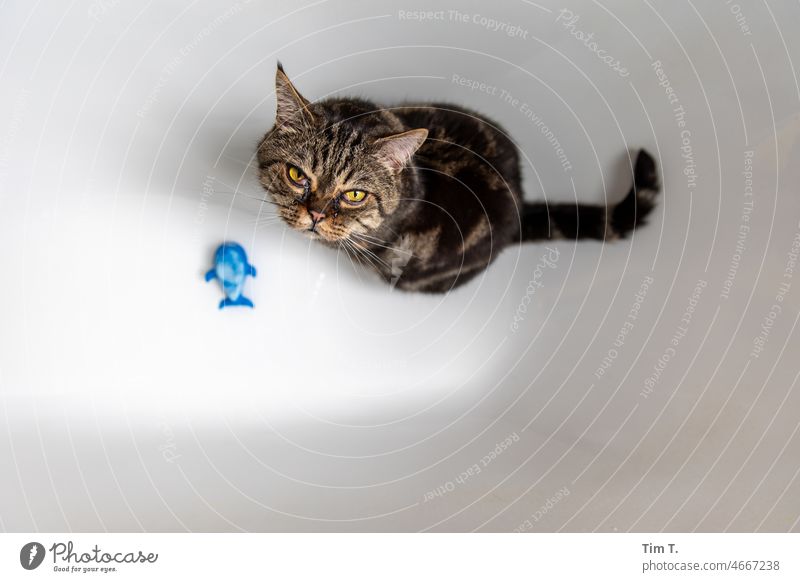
x: 542, y: 221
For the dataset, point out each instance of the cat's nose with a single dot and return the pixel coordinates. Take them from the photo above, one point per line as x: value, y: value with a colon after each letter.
x: 316, y: 216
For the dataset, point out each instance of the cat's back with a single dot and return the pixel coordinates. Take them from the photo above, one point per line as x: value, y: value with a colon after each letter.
x: 459, y: 137
x: 470, y: 179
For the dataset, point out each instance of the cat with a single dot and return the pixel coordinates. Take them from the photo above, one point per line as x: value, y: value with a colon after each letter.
x: 427, y: 195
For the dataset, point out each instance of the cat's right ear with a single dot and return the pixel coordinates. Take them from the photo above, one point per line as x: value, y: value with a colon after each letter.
x: 293, y: 109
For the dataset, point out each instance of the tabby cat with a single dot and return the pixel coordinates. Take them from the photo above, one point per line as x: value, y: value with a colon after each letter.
x: 427, y: 195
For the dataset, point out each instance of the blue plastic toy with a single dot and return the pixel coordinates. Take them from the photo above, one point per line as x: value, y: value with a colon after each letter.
x: 231, y: 269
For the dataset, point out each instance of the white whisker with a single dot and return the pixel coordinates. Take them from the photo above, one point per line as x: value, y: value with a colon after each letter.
x: 391, y: 248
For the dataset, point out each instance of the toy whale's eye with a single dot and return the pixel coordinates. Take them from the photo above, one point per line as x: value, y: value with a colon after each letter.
x: 296, y: 176
x: 354, y: 196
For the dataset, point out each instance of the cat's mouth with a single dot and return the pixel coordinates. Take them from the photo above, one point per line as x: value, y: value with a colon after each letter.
x: 315, y: 226
x: 317, y: 232
x: 302, y: 220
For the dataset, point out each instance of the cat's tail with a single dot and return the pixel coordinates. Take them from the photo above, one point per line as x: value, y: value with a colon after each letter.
x: 542, y: 221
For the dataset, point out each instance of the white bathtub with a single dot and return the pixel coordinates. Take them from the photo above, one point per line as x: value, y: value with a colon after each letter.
x: 129, y: 402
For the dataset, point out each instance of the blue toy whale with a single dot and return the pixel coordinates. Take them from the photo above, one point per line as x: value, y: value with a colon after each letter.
x: 231, y: 269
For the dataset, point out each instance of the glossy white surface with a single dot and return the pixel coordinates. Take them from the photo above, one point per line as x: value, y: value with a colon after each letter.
x: 129, y: 402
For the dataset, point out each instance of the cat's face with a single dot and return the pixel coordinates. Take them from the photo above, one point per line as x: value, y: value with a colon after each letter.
x: 333, y: 169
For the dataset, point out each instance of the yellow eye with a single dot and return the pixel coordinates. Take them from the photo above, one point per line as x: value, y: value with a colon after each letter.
x: 296, y: 176
x: 354, y: 196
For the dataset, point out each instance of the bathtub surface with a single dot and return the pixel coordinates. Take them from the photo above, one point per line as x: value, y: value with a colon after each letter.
x: 644, y: 385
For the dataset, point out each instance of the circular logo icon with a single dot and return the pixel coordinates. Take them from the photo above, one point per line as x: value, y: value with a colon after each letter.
x: 31, y: 555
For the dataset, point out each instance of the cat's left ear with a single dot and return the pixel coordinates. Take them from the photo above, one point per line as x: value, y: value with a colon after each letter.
x: 293, y: 109
x: 395, y: 151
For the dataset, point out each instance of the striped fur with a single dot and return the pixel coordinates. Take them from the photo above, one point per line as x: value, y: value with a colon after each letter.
x: 444, y: 188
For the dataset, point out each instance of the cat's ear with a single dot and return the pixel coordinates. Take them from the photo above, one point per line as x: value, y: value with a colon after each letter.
x: 395, y: 151
x: 293, y: 109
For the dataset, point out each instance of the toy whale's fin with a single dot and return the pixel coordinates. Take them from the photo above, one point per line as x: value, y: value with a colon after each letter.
x: 250, y: 270
x: 242, y: 300
x: 211, y: 275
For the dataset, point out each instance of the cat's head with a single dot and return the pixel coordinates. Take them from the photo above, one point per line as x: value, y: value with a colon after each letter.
x: 334, y: 168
